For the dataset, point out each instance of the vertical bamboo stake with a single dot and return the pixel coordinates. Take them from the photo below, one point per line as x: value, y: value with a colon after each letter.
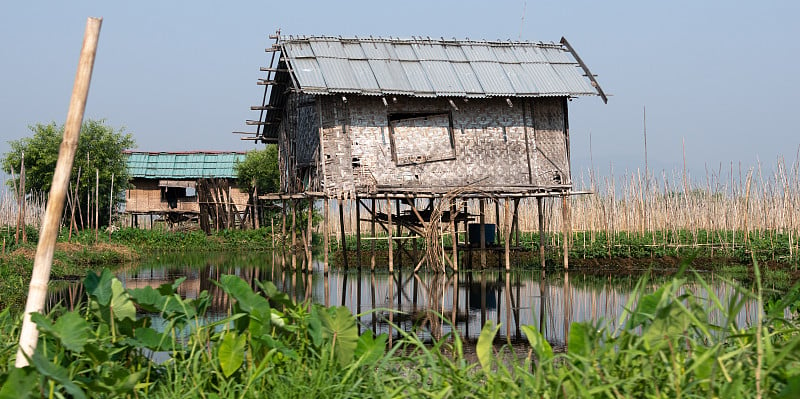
x: 111, y: 201
x: 37, y: 292
x: 22, y: 200
x: 96, y: 204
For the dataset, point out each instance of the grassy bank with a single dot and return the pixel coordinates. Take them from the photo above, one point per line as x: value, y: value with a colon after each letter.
x: 80, y: 252
x: 666, y: 346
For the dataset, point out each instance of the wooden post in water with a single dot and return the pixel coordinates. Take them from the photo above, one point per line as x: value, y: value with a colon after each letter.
x: 389, y: 232
x: 294, y: 234
x: 565, y: 228
x: 482, y: 233
x: 358, y: 232
x: 507, y: 231
x: 43, y: 261
x: 326, y: 246
x: 540, y: 213
x: 454, y: 229
x: 343, y: 238
x: 309, y: 234
x: 374, y: 236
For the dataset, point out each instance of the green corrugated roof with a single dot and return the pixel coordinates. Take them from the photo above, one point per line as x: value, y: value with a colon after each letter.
x: 183, y: 165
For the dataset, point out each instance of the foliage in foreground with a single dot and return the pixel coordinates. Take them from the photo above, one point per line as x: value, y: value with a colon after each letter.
x: 666, y: 346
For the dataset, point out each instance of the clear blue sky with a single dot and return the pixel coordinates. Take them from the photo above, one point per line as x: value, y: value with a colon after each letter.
x: 181, y: 75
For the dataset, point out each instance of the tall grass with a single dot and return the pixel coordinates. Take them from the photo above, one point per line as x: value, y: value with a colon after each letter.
x: 718, y: 211
x: 666, y: 345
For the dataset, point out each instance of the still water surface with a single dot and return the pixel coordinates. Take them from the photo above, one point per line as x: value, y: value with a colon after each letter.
x: 382, y: 302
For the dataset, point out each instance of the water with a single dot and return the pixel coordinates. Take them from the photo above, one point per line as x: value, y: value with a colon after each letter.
x: 430, y: 304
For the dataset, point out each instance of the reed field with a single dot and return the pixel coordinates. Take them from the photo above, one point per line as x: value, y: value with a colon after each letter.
x: 634, y: 213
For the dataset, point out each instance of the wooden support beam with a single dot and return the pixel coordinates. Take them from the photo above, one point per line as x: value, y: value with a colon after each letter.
x: 264, y: 108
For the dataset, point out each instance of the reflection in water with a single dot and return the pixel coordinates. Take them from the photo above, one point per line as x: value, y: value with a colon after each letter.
x: 427, y: 303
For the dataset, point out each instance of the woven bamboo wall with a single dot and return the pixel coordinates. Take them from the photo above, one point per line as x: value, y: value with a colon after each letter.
x: 145, y: 197
x: 495, y: 146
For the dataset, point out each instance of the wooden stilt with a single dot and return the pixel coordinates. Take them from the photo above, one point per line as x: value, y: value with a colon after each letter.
x: 294, y: 234
x: 342, y: 237
x: 309, y: 235
x: 482, y: 233
x: 325, y: 236
x: 389, y: 232
x: 358, y: 232
x: 540, y: 213
x: 565, y: 228
x: 374, y: 236
x: 507, y: 231
x: 453, y: 228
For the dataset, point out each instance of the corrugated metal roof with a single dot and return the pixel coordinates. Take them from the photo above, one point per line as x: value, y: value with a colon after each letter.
x: 426, y: 68
x: 183, y: 165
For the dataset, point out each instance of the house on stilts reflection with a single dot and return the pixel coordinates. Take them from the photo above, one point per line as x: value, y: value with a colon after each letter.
x: 396, y: 121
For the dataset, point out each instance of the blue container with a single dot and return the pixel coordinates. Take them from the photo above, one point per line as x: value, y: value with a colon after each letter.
x: 474, y: 231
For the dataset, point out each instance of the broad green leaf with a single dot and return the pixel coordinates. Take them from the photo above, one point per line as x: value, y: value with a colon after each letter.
x: 369, y: 349
x: 151, y: 339
x: 171, y: 289
x: 57, y: 374
x: 99, y: 287
x: 670, y: 321
x: 340, y: 329
x: 20, y: 384
x: 485, y: 346
x: 148, y: 299
x: 543, y: 349
x: 239, y: 290
x: 121, y: 304
x: 315, y: 326
x: 579, y: 339
x: 73, y: 330
x: 231, y: 352
x: 646, y: 308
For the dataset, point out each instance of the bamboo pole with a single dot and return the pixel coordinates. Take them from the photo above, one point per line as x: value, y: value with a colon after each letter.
x: 43, y: 261
x: 111, y: 201
x: 96, y: 204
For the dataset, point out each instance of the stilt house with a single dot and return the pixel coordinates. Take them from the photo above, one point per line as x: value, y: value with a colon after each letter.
x: 366, y: 116
x: 360, y: 118
x: 186, y: 186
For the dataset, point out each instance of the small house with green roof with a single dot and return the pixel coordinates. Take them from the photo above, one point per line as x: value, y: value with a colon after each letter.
x: 186, y: 186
